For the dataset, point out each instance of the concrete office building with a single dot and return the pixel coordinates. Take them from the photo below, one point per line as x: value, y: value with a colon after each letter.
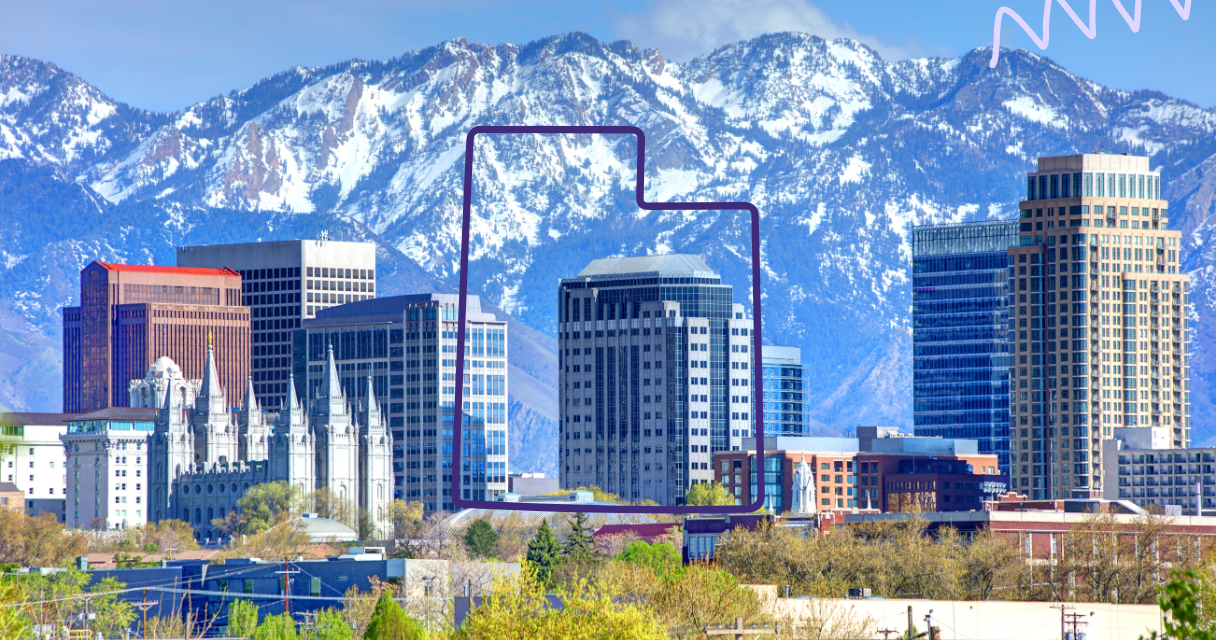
x: 1098, y: 314
x: 407, y: 345
x: 655, y: 375
x: 107, y: 460
x: 34, y: 460
x: 960, y: 344
x: 285, y: 283
x: 784, y: 379
x: 130, y: 315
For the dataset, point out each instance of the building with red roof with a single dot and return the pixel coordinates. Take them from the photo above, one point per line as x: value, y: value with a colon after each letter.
x: 130, y: 315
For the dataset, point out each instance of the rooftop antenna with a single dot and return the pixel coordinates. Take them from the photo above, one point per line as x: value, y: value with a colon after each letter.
x: 1098, y: 149
x: 323, y: 236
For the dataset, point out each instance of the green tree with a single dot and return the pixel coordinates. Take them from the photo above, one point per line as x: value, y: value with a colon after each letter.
x: 406, y: 518
x: 580, y: 543
x: 267, y: 504
x: 544, y: 552
x: 332, y: 627
x: 114, y: 616
x: 389, y: 622
x: 517, y: 608
x: 709, y: 494
x: 280, y: 627
x: 1180, y: 600
x: 242, y: 618
x: 12, y: 624
x: 659, y: 558
x: 481, y: 538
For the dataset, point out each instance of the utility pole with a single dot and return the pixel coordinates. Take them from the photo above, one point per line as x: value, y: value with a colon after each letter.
x: 887, y: 632
x: 910, y: 625
x: 144, y: 605
x: 1076, y: 619
x: 286, y: 586
x: 1064, y: 608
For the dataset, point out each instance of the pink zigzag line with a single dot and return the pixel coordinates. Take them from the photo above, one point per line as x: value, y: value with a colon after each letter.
x: 1091, y: 31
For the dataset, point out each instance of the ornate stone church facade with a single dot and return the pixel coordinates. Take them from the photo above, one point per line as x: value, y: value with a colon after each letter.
x: 204, y: 456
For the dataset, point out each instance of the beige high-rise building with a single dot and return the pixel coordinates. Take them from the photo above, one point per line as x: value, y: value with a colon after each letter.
x: 1098, y: 320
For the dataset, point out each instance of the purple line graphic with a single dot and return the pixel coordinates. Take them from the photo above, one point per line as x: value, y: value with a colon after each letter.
x: 458, y: 420
x: 1090, y: 31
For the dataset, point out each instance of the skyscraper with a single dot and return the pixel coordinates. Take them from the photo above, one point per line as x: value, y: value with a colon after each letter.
x: 130, y: 315
x: 1101, y: 309
x: 655, y: 375
x: 784, y: 392
x: 286, y: 282
x: 960, y: 344
x: 407, y: 345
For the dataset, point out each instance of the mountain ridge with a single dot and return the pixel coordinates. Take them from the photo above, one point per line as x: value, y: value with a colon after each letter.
x: 842, y: 151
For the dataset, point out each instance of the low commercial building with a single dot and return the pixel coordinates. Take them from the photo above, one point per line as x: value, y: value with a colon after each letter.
x: 701, y: 534
x: 206, y: 591
x: 1143, y: 469
x: 1039, y: 526
x: 880, y: 469
x: 34, y: 461
x: 532, y: 484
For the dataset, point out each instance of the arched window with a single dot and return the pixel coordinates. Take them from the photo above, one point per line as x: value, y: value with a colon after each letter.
x: 198, y: 516
x: 379, y: 491
x: 210, y: 514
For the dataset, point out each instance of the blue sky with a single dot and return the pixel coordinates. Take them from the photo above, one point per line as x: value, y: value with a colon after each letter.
x: 166, y: 55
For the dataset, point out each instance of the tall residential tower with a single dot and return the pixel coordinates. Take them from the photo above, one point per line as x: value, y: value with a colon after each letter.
x: 655, y: 375
x: 1098, y: 319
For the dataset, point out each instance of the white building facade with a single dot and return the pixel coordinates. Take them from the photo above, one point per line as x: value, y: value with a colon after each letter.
x: 204, y: 457
x: 107, y: 468
x: 34, y: 459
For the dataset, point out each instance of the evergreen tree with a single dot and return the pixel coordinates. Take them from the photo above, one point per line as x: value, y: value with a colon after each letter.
x: 580, y: 544
x: 389, y: 622
x: 481, y: 538
x: 544, y: 552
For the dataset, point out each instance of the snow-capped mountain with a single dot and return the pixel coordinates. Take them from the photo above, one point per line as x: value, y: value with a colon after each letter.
x: 841, y: 150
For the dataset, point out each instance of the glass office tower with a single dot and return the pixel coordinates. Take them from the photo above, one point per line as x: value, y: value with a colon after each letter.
x: 784, y: 392
x: 960, y: 317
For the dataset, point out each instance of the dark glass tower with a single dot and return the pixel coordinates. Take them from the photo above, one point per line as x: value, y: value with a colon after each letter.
x: 960, y: 318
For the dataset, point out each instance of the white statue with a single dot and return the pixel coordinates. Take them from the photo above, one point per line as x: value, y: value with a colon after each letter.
x: 803, y: 490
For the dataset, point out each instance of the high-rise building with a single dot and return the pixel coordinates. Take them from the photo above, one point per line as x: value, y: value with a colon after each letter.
x: 407, y: 345
x: 654, y: 375
x: 960, y: 344
x: 286, y: 282
x: 130, y: 315
x: 1098, y: 315
x: 784, y: 391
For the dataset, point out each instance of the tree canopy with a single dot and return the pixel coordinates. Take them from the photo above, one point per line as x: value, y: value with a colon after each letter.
x: 710, y: 494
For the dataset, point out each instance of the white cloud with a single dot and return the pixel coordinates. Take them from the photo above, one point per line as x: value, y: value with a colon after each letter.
x: 684, y: 29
